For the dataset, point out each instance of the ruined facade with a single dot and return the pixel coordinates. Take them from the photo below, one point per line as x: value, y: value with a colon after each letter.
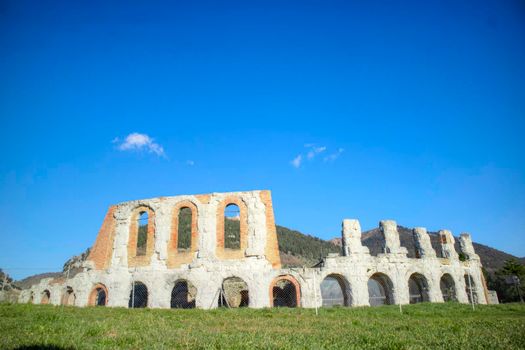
x: 155, y: 264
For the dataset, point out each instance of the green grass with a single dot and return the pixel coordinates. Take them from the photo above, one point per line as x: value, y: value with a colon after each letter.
x: 422, y: 326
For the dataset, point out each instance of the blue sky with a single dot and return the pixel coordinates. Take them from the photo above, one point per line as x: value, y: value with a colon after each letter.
x: 413, y: 111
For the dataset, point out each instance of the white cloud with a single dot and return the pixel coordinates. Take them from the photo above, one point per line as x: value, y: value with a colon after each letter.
x: 190, y: 162
x: 312, y: 152
x: 137, y: 142
x: 296, y: 162
x: 315, y: 151
x: 332, y: 157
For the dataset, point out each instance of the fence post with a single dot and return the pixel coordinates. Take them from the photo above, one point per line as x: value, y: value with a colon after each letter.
x: 315, y: 295
x: 470, y: 290
x: 132, y: 293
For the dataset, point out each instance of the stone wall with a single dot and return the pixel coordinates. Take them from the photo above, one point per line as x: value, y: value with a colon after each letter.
x: 114, y: 262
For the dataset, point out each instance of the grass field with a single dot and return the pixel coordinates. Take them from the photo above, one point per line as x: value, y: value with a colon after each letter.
x: 422, y: 326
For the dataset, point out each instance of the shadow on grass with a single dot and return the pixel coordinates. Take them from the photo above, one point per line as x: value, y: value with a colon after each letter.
x: 42, y: 347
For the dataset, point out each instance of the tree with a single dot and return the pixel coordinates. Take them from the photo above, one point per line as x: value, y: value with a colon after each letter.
x: 509, y: 288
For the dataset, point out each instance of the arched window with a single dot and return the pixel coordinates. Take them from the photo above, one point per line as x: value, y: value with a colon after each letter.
x: 232, y: 227
x: 184, y: 230
x: 335, y: 291
x: 234, y: 293
x: 417, y: 288
x: 285, y: 292
x: 142, y: 234
x: 183, y: 295
x: 46, y: 296
x: 470, y: 288
x: 69, y: 297
x: 380, y: 290
x: 448, y: 288
x: 98, y: 296
x: 138, y: 297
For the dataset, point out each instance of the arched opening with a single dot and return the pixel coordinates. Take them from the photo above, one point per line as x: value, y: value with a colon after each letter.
x: 234, y: 293
x: 470, y: 288
x: 31, y: 298
x: 98, y: 295
x: 418, y: 288
x: 232, y: 227
x: 380, y: 290
x: 184, y: 230
x: 142, y: 234
x: 448, y: 288
x: 335, y: 291
x: 46, y: 296
x: 138, y: 297
x: 69, y: 297
x: 183, y: 295
x: 285, y: 292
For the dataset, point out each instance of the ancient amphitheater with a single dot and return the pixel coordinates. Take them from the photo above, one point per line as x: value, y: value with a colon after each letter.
x: 184, y: 252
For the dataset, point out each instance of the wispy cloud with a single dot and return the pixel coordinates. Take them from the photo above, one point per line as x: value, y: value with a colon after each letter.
x: 332, y: 157
x: 315, y: 151
x: 140, y: 142
x: 190, y: 162
x: 296, y: 162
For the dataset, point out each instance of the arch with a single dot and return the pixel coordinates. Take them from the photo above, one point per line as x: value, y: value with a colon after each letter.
x: 418, y: 288
x: 448, y: 287
x: 285, y: 291
x: 183, y: 295
x: 138, y: 296
x: 184, y: 234
x: 98, y: 296
x: 335, y: 291
x: 31, y: 298
x: 234, y: 293
x: 380, y: 290
x: 470, y: 289
x: 184, y: 229
x: 142, y: 233
x: 69, y: 297
x: 232, y: 245
x: 141, y: 236
x: 232, y: 226
x: 46, y: 297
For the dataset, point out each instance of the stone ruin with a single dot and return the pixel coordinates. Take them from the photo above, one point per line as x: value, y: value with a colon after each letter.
x: 172, y: 252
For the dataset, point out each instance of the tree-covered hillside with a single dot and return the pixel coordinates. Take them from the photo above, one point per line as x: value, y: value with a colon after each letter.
x: 298, y: 249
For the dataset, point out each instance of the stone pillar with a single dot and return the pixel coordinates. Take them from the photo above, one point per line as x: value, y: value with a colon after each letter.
x: 391, y: 238
x: 359, y: 285
x: 447, y: 245
x: 422, y: 242
x: 467, y: 248
x: 351, y: 235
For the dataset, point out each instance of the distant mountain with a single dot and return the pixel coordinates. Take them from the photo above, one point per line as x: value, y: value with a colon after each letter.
x: 299, y: 249
x: 35, y: 279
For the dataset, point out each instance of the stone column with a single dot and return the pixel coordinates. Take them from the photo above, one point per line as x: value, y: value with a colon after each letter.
x: 351, y: 235
x: 422, y: 242
x: 447, y: 245
x: 391, y: 237
x: 467, y: 248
